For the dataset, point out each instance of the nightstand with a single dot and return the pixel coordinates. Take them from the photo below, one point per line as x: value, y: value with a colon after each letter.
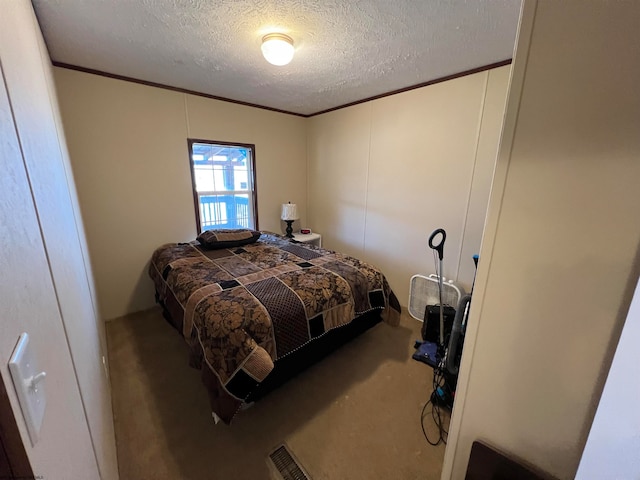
x: 312, y: 238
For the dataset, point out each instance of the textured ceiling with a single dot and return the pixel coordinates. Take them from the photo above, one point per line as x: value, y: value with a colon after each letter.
x: 345, y: 50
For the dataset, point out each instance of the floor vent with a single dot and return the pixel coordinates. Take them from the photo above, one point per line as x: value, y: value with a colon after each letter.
x: 286, y: 465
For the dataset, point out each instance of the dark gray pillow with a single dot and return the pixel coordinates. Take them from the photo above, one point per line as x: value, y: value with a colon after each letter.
x: 227, y: 238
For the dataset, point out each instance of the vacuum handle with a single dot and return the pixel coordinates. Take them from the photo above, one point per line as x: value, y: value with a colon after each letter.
x: 440, y: 246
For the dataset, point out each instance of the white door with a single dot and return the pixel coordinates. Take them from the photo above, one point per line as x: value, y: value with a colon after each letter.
x: 28, y: 303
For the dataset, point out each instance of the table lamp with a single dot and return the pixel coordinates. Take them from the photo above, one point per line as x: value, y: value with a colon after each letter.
x: 289, y: 215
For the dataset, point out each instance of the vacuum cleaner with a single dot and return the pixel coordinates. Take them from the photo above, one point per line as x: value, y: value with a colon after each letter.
x: 432, y: 350
x: 444, y: 354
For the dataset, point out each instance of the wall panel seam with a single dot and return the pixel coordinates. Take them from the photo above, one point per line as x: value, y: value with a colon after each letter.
x: 366, y: 181
x: 308, y: 169
x: 473, y: 172
x: 186, y: 115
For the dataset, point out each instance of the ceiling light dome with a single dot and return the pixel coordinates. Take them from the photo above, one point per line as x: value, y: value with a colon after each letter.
x: 277, y: 48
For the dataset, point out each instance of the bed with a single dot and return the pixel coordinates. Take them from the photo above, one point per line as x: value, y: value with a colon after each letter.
x: 257, y: 314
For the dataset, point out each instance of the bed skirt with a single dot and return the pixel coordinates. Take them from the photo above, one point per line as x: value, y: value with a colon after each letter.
x: 284, y: 369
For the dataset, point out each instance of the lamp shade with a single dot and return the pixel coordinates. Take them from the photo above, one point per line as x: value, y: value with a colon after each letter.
x: 277, y: 48
x: 289, y: 211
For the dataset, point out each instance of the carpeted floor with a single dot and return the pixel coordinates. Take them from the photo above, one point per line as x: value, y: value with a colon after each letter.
x: 355, y: 415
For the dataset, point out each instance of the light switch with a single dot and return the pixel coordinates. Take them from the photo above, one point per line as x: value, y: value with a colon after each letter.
x: 28, y: 380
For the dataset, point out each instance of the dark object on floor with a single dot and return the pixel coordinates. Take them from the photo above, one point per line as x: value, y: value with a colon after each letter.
x: 486, y: 463
x: 287, y: 465
x: 431, y: 325
x: 426, y: 352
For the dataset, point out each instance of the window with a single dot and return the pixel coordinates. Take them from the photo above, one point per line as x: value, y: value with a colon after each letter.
x: 224, y: 186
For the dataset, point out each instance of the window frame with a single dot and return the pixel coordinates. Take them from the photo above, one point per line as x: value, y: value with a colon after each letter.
x: 252, y: 191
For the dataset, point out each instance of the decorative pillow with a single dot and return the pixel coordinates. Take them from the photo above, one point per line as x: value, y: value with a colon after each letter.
x: 227, y: 238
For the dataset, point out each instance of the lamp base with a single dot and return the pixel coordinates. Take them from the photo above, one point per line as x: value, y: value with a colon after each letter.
x: 289, y: 230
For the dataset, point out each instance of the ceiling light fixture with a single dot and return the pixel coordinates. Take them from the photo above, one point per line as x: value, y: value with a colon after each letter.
x: 277, y: 48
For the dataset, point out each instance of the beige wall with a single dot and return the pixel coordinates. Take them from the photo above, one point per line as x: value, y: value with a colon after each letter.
x: 47, y: 287
x: 384, y: 174
x: 379, y: 173
x: 561, y: 242
x: 128, y: 147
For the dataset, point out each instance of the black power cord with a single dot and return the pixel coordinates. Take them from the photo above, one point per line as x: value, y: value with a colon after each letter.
x: 440, y: 398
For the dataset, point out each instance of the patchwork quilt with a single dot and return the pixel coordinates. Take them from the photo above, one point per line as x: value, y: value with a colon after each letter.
x: 241, y: 309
